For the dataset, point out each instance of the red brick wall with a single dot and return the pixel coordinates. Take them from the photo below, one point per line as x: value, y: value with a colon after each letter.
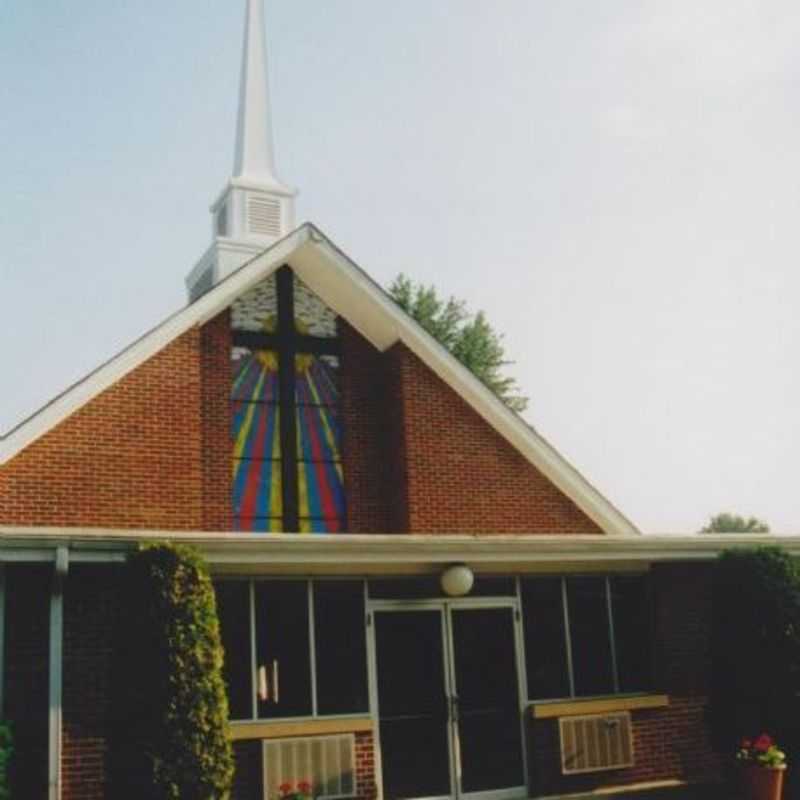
x: 216, y: 447
x: 366, y: 788
x: 375, y: 470
x: 462, y: 476
x: 90, y: 609
x: 671, y: 742
x: 26, y: 676
x: 130, y: 458
x: 153, y: 451
x: 418, y: 459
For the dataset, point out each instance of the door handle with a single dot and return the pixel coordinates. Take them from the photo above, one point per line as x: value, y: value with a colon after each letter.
x: 263, y: 683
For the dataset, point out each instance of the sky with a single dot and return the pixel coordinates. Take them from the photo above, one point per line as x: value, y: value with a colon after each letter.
x: 615, y: 184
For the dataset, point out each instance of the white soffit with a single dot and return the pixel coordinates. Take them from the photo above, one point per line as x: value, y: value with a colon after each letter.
x: 349, y: 291
x: 358, y: 551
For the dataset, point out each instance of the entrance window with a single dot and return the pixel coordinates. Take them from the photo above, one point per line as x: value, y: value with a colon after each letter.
x: 310, y: 648
x: 586, y: 636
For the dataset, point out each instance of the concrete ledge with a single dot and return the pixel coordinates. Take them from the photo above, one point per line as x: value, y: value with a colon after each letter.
x: 599, y: 705
x: 301, y: 727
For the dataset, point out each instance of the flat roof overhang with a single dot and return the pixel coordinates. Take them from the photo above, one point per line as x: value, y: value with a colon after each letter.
x: 366, y: 554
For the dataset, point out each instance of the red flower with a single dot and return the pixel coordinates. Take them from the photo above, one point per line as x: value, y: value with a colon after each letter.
x: 304, y: 787
x: 285, y: 788
x: 763, y: 743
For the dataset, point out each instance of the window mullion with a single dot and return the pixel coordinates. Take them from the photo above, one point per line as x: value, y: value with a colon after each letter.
x: 287, y: 384
x: 567, y: 637
x: 312, y: 649
x: 253, y: 654
x: 611, y: 636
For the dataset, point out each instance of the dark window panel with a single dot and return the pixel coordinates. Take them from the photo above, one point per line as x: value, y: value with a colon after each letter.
x: 283, y: 657
x: 545, y: 641
x: 340, y: 646
x: 493, y: 587
x: 429, y: 586
x: 631, y: 609
x: 233, y: 609
x: 589, y: 636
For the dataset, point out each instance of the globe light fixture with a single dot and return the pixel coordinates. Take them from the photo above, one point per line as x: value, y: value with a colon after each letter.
x: 457, y: 580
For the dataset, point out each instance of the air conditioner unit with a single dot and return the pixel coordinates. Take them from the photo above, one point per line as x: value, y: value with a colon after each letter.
x: 597, y: 742
x: 326, y: 762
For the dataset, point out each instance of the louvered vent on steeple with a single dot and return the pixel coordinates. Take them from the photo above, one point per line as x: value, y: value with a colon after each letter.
x: 263, y: 216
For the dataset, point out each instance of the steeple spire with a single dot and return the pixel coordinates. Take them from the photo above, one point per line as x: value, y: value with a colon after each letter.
x: 255, y: 208
x: 255, y: 157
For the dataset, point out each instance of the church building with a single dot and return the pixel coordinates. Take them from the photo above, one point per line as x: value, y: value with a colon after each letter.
x: 419, y: 597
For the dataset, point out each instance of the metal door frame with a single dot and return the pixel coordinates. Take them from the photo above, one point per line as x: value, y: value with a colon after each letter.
x: 445, y: 607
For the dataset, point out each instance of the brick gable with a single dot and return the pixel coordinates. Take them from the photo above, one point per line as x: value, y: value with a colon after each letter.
x: 462, y: 476
x: 154, y: 450
x: 129, y: 458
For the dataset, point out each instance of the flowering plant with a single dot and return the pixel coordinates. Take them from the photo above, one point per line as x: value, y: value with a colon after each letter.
x: 288, y: 791
x: 761, y: 752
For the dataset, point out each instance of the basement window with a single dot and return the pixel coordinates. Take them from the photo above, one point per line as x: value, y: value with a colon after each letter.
x: 586, y: 636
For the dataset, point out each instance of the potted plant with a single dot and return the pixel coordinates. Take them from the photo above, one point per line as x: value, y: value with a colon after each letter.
x: 763, y: 766
x: 288, y: 791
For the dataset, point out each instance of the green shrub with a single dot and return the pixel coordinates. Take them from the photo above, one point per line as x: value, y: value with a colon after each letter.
x: 756, y: 647
x: 6, y: 750
x: 169, y: 739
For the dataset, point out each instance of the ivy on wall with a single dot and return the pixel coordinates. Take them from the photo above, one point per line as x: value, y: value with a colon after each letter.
x: 170, y: 712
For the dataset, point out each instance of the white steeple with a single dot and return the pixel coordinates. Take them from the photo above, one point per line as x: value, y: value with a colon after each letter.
x: 255, y: 208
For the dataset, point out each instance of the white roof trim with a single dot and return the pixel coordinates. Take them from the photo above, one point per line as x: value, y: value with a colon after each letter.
x: 374, y: 551
x: 350, y: 292
x: 139, y: 351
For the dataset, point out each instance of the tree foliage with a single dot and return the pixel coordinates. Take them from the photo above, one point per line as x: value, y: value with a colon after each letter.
x: 756, y: 647
x: 469, y: 337
x: 726, y: 522
x: 171, y: 713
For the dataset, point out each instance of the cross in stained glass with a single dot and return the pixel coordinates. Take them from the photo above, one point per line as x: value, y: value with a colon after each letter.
x: 287, y: 464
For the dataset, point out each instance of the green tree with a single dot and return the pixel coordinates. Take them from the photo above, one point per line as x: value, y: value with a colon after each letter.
x: 755, y: 647
x: 170, y: 715
x: 726, y: 522
x: 469, y: 337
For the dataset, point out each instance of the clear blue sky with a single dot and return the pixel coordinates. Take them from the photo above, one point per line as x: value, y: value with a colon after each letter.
x: 616, y: 184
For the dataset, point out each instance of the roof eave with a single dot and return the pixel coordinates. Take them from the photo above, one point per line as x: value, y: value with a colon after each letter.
x: 387, y: 553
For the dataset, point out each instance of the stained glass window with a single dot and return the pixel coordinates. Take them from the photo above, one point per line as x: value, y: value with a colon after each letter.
x: 286, y: 422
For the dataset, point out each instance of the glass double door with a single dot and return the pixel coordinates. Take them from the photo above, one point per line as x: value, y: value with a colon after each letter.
x: 448, y: 701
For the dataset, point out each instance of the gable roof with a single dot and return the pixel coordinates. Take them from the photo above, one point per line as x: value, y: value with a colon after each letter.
x: 354, y: 296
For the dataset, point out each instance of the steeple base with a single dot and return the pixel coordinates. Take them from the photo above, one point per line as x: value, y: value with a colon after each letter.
x: 220, y: 260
